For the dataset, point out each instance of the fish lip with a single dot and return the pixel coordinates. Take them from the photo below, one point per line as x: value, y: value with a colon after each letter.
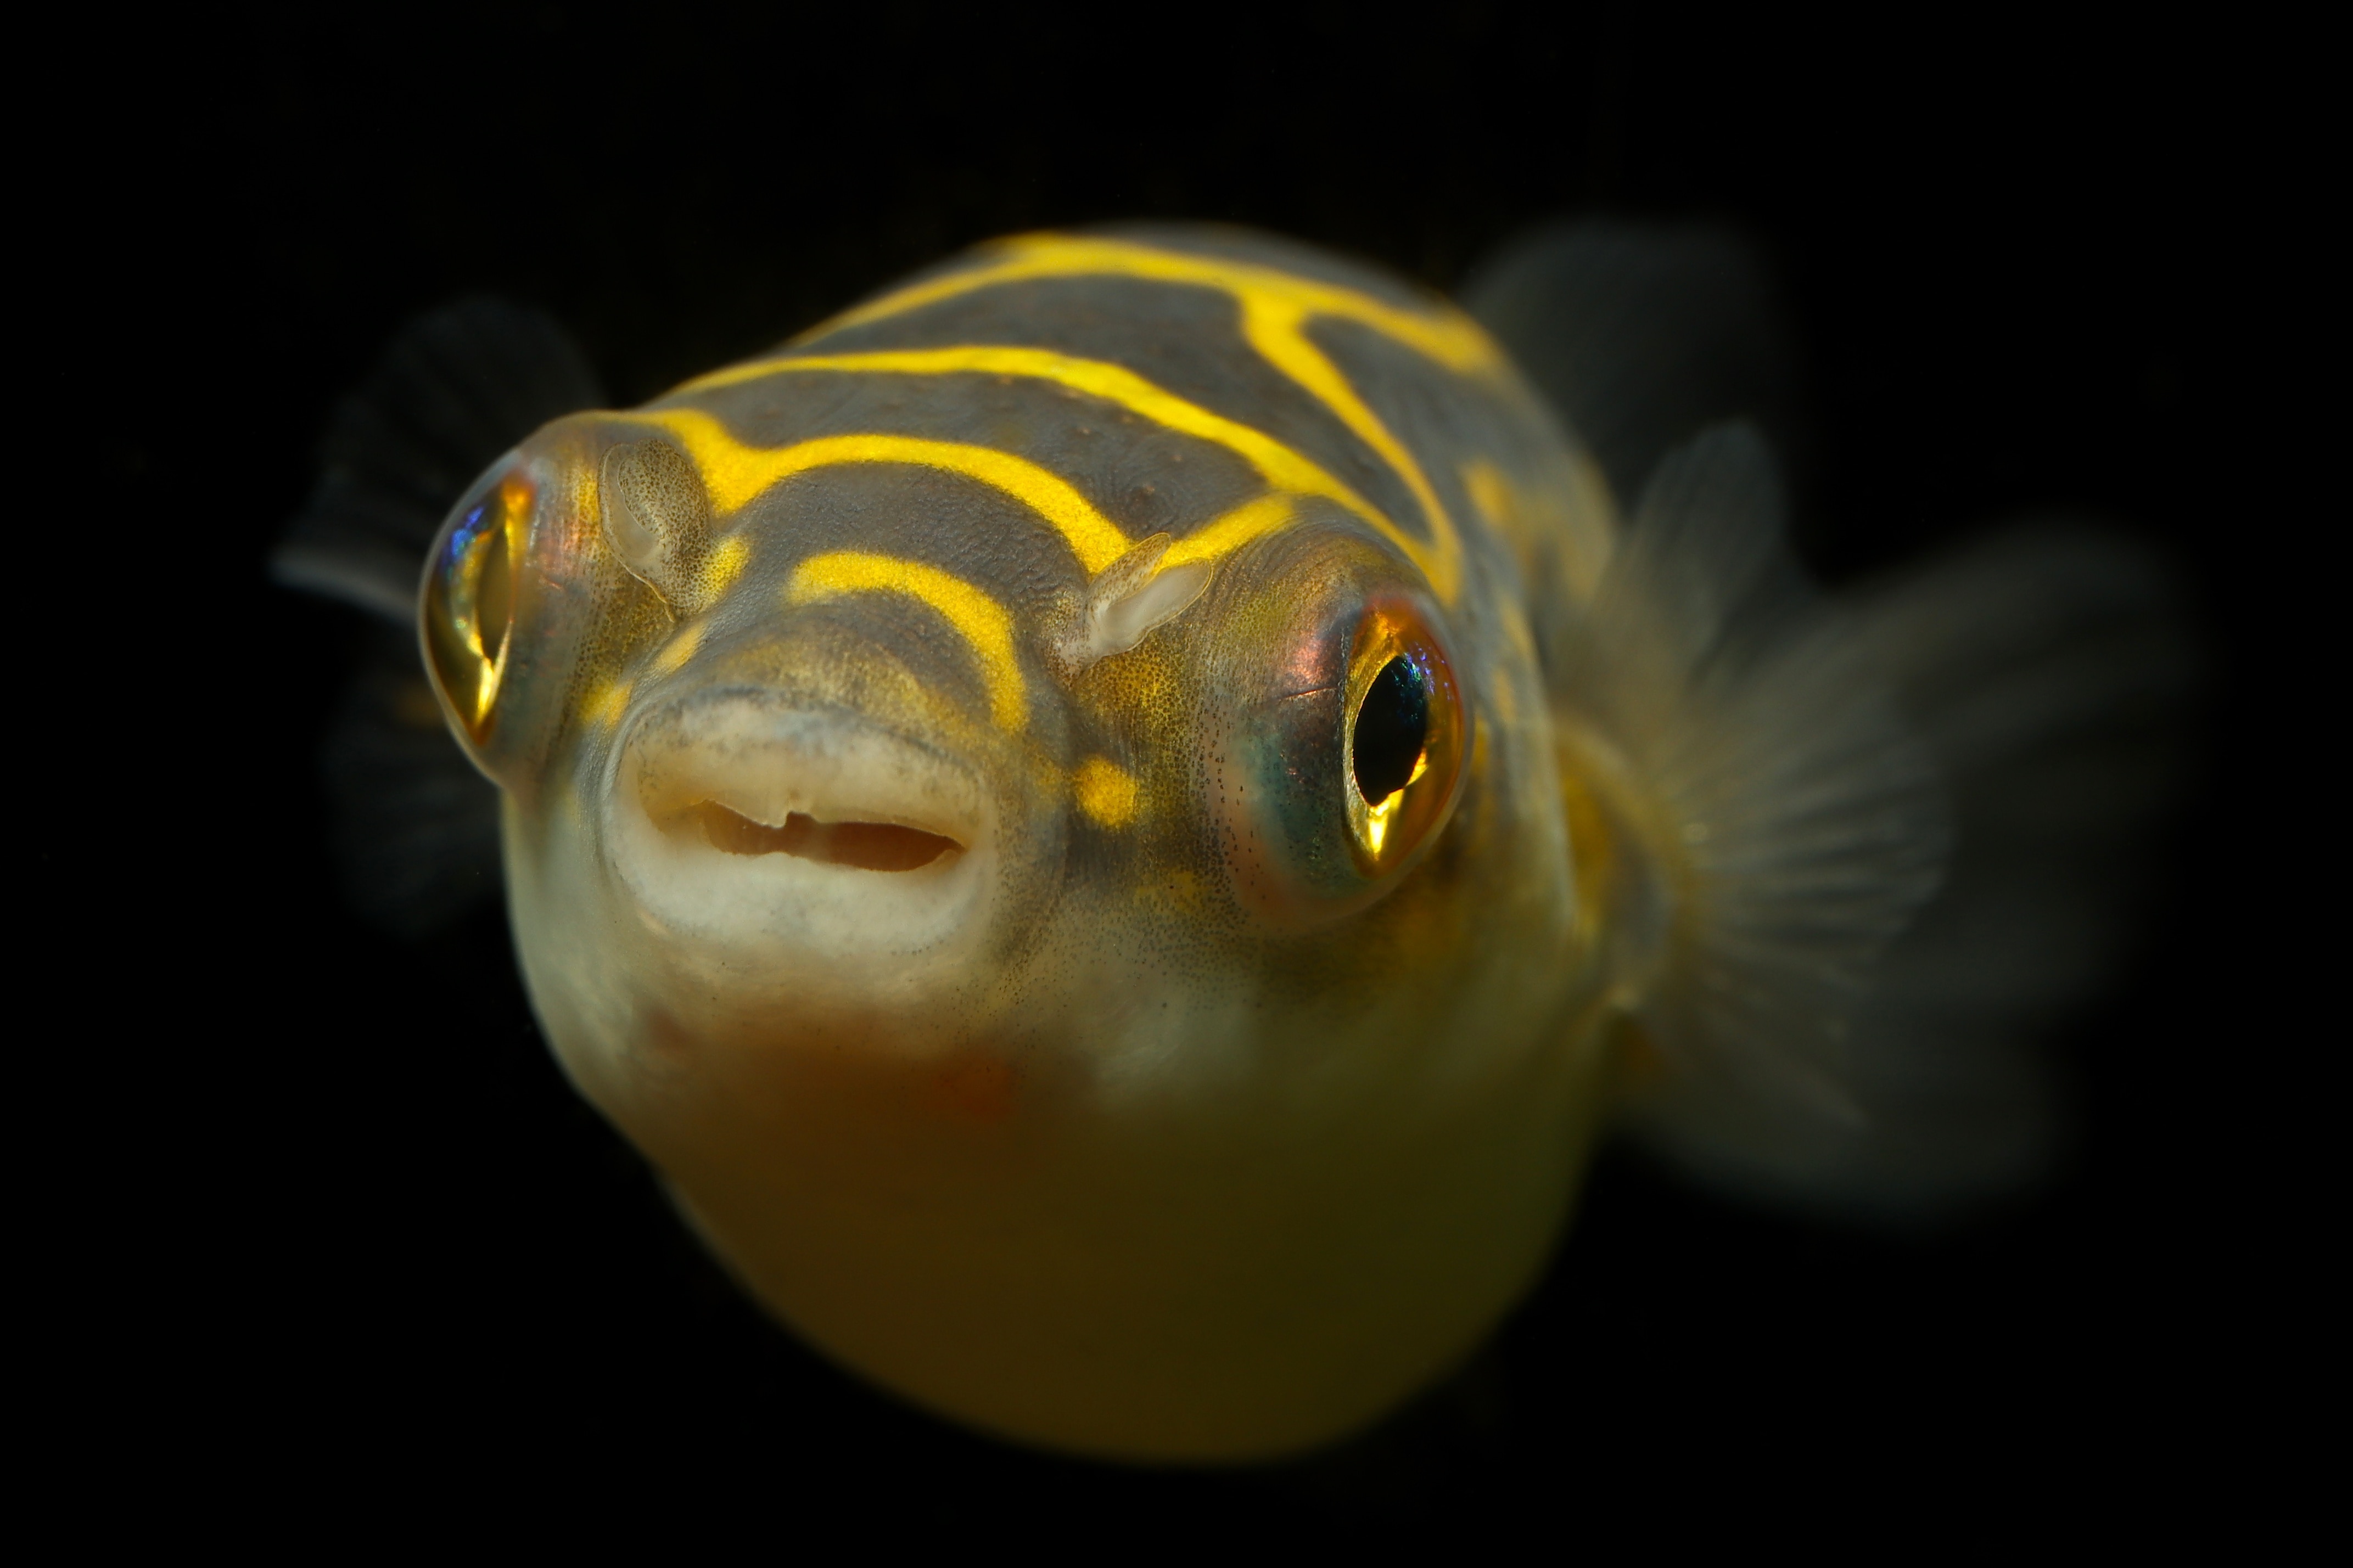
x: 816, y: 759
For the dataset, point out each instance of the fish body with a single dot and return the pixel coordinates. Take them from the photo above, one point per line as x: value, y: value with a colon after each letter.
x: 1116, y: 820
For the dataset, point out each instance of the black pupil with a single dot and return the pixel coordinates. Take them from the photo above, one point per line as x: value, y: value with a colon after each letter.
x: 1391, y: 728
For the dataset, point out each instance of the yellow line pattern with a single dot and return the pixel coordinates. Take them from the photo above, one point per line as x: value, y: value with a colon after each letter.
x: 1233, y: 530
x: 1441, y: 333
x: 981, y: 620
x: 1281, y: 466
x: 737, y: 473
x: 1275, y: 308
x: 1275, y: 327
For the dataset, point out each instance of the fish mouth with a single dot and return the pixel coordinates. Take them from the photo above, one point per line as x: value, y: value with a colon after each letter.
x: 862, y: 846
x: 808, y: 833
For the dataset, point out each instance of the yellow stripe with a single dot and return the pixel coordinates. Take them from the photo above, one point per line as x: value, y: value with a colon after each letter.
x: 1233, y: 530
x: 1274, y: 329
x: 1281, y: 466
x: 983, y: 622
x: 1441, y: 333
x: 1276, y: 308
x: 735, y: 473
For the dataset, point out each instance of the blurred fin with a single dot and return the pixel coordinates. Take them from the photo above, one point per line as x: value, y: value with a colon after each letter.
x: 1779, y: 823
x: 1899, y: 834
x: 415, y: 824
x: 2050, y: 669
x: 1642, y: 335
x: 456, y: 387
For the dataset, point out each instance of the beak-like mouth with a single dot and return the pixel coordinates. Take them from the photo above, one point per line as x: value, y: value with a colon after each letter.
x: 814, y: 834
x: 751, y: 779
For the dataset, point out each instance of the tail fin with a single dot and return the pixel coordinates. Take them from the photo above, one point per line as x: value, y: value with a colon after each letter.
x: 1643, y: 335
x: 415, y: 826
x: 1883, y: 831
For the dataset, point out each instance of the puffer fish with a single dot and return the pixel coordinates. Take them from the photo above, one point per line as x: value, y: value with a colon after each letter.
x: 1117, y: 820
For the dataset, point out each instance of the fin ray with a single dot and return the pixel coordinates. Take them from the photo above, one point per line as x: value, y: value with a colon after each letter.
x: 1795, y: 821
x: 415, y: 826
x: 1901, y: 828
x: 456, y: 387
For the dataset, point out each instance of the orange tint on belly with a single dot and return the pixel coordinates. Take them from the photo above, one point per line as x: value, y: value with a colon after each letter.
x: 976, y: 1088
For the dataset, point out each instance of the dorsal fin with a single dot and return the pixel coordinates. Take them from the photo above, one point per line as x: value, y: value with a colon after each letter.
x: 1642, y: 335
x: 455, y: 388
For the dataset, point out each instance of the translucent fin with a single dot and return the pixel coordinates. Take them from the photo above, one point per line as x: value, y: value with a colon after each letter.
x: 2048, y: 669
x: 1642, y: 335
x: 415, y: 826
x: 1791, y: 820
x: 1890, y: 833
x: 456, y: 387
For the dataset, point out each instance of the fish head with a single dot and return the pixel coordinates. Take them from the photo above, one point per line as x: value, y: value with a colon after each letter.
x: 894, y: 877
x: 868, y: 749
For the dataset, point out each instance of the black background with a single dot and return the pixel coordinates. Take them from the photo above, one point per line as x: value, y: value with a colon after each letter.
x: 360, y: 1237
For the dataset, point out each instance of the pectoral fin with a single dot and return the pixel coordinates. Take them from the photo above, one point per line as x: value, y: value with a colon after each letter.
x: 455, y: 388
x: 415, y: 826
x: 1864, y: 848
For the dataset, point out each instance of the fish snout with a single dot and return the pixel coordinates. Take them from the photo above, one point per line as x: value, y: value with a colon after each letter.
x: 818, y: 838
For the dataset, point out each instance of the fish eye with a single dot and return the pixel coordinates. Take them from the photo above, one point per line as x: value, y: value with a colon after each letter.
x: 1405, y: 738
x: 468, y: 603
x: 1335, y: 781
